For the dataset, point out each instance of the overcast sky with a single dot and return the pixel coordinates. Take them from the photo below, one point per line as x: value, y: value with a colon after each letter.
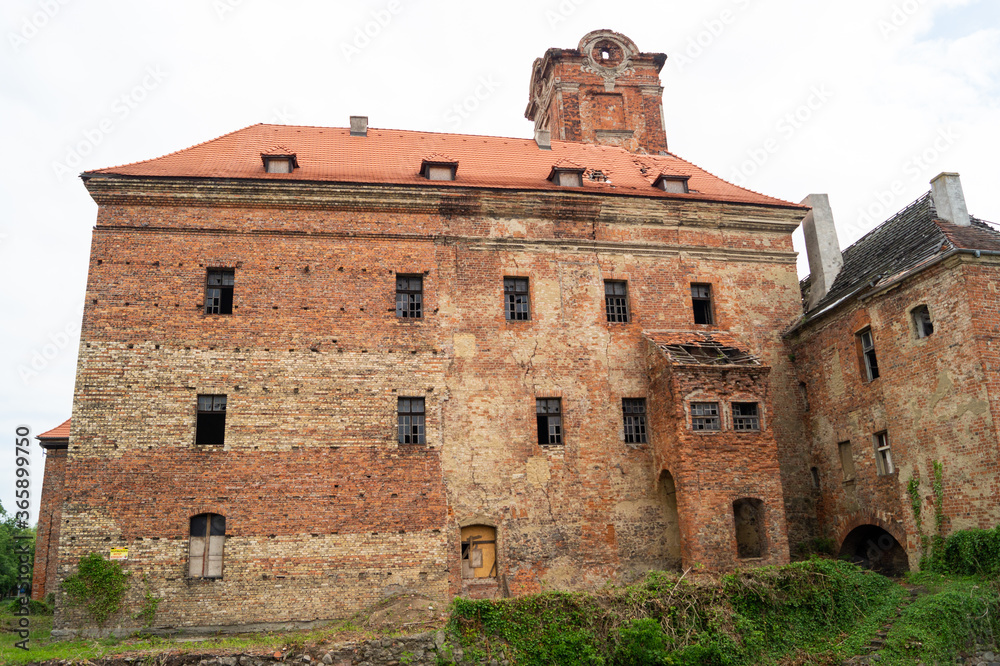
x: 866, y: 100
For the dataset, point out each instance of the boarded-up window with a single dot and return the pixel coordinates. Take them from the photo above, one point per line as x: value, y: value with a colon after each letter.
x: 479, y: 552
x: 208, y: 537
x: 608, y: 111
x: 846, y: 460
x: 748, y: 515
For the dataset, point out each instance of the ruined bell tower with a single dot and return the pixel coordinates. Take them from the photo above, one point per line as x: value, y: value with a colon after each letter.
x: 604, y: 92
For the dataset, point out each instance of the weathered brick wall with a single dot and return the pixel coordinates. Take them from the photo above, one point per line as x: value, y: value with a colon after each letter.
x: 49, y: 522
x: 933, y: 397
x: 321, y: 502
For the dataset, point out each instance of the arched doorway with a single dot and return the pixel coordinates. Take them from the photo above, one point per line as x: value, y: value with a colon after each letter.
x: 671, y: 538
x: 871, y: 547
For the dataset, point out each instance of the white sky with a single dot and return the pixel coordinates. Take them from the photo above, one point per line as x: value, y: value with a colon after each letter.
x: 899, y: 91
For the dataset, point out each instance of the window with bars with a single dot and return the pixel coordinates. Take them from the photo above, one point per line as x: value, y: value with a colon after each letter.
x: 883, y: 455
x: 634, y: 415
x: 705, y: 416
x: 210, y: 427
x: 701, y: 302
x: 219, y: 291
x: 616, y: 301
x: 410, y: 420
x: 207, y: 541
x: 548, y: 412
x: 409, y: 296
x: 746, y: 416
x: 515, y: 299
x: 867, y: 345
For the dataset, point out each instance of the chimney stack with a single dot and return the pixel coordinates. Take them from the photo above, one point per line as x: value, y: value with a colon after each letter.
x: 822, y: 247
x: 359, y: 125
x: 544, y: 139
x: 946, y: 191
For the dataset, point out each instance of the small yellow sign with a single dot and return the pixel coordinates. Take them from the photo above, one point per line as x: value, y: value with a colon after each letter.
x: 119, y: 553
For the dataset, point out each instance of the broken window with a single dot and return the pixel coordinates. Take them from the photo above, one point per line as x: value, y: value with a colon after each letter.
x: 479, y: 552
x: 219, y: 291
x: 922, y: 323
x: 815, y: 477
x: 409, y: 296
x: 208, y: 537
x: 515, y: 299
x: 705, y: 416
x: 746, y: 416
x: 548, y: 412
x: 748, y: 515
x: 634, y: 413
x: 210, y: 427
x: 846, y: 460
x: 616, y: 301
x: 866, y: 343
x: 410, y: 419
x: 883, y: 456
x: 701, y: 302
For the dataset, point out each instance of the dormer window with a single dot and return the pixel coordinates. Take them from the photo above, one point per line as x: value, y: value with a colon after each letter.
x: 674, y: 184
x: 438, y: 170
x: 567, y: 177
x: 279, y: 163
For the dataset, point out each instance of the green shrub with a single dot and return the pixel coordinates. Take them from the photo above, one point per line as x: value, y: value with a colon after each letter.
x: 35, y: 607
x: 971, y: 553
x: 99, y: 585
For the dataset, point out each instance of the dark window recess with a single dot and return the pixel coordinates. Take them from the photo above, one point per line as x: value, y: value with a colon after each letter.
x: 410, y: 418
x: 219, y: 291
x: 211, y: 425
x: 515, y: 299
x: 616, y: 301
x: 705, y: 416
x: 208, y: 538
x: 846, y: 452
x: 868, y: 353
x: 549, y: 416
x: 746, y: 416
x: 815, y: 477
x: 748, y: 516
x: 634, y: 414
x: 701, y: 301
x: 409, y: 296
x: 922, y: 321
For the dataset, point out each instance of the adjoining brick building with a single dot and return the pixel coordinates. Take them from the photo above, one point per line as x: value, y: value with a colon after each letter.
x: 319, y: 366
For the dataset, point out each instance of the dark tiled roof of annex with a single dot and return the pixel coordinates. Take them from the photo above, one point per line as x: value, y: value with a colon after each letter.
x: 325, y: 154
x: 906, y: 242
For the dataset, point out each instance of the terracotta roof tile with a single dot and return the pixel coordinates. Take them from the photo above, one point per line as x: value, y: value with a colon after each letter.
x: 61, y: 431
x: 395, y: 156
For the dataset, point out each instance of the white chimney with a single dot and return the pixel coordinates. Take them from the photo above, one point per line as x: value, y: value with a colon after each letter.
x: 544, y: 139
x: 359, y: 125
x: 822, y: 247
x: 946, y: 191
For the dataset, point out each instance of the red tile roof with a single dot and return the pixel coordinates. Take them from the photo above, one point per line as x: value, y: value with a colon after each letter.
x: 394, y: 157
x: 59, y: 432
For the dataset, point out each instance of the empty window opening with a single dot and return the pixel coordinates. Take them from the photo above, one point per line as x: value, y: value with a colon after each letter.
x: 804, y: 395
x: 479, y: 552
x: 815, y: 477
x: 208, y: 538
x: 746, y: 416
x: 219, y: 291
x: 922, y: 323
x: 846, y: 452
x: 748, y: 514
x: 701, y: 302
x: 883, y: 455
x: 409, y: 296
x: 410, y: 420
x: 670, y: 538
x: 616, y: 301
x: 210, y: 427
x: 515, y: 299
x: 605, y: 53
x: 634, y: 414
x: 705, y: 416
x: 867, y: 345
x: 548, y: 412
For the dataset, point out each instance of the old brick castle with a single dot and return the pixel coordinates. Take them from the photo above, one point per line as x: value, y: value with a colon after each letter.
x: 320, y: 366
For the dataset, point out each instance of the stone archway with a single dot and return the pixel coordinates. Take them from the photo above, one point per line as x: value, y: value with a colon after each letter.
x: 871, y: 547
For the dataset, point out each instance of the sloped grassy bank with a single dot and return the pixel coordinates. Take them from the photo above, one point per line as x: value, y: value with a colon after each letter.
x: 815, y: 612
